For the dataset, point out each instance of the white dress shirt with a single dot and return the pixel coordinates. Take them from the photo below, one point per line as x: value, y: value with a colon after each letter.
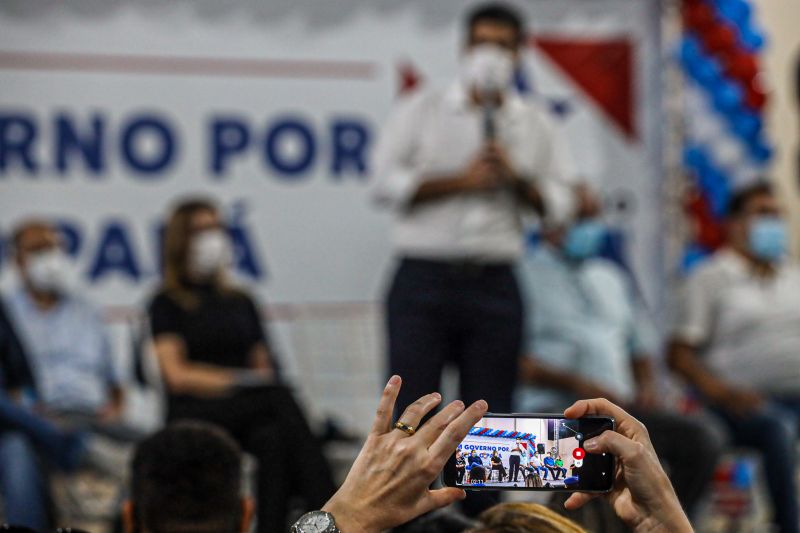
x: 747, y: 326
x: 437, y: 133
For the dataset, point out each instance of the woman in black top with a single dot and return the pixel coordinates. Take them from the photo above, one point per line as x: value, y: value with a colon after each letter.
x: 217, y: 366
x: 497, y: 464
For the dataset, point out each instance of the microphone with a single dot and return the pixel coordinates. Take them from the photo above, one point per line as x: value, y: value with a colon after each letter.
x: 489, y: 121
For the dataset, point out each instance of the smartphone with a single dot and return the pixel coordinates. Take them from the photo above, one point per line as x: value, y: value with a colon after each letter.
x: 541, y: 452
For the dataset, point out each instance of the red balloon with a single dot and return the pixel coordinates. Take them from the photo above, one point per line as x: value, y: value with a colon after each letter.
x: 754, y: 97
x: 708, y: 232
x: 720, y: 38
x: 698, y: 16
x: 742, y: 66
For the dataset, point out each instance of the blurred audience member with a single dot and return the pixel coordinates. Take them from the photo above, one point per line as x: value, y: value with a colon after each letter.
x: 217, y: 365
x: 458, y: 166
x: 523, y: 517
x: 584, y: 338
x: 74, y: 381
x: 736, y: 340
x: 187, y: 478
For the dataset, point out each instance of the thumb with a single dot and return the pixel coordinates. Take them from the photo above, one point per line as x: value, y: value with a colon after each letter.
x: 578, y: 500
x: 443, y: 497
x: 616, y: 444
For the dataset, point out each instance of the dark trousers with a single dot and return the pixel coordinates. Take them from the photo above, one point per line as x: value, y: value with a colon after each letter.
x: 464, y: 313
x: 513, y: 467
x: 468, y: 314
x: 268, y: 423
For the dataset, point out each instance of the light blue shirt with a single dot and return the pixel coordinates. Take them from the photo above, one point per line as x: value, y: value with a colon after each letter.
x: 581, y: 318
x: 68, y: 352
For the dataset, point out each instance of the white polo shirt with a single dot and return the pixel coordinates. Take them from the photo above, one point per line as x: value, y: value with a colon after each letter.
x: 747, y: 326
x: 438, y: 132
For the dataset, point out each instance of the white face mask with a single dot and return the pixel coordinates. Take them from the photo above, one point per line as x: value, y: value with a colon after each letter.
x: 210, y: 252
x: 488, y: 68
x: 50, y: 271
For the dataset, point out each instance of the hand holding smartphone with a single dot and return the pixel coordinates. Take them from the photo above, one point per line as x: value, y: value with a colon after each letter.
x: 540, y: 452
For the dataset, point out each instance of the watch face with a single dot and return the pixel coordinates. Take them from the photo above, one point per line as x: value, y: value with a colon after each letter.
x: 316, y: 522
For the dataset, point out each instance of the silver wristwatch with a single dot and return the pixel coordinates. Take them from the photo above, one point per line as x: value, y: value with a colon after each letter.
x: 315, y: 522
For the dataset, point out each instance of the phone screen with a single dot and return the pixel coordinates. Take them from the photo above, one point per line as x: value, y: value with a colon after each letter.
x: 531, y: 452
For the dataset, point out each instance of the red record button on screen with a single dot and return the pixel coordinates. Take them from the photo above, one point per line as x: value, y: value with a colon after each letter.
x: 578, y: 453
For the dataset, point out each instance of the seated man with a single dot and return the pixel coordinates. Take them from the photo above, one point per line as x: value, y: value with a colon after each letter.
x: 550, y: 465
x: 583, y: 341
x: 75, y: 383
x: 560, y: 467
x: 736, y: 340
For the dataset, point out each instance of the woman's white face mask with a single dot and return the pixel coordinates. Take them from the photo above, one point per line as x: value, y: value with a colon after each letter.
x: 487, y: 68
x: 210, y: 252
x: 50, y: 271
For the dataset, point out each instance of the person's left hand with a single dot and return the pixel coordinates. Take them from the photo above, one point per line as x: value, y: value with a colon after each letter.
x: 388, y: 483
x: 497, y: 156
x: 111, y: 412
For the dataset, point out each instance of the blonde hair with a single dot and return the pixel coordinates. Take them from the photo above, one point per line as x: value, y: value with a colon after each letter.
x: 524, y: 518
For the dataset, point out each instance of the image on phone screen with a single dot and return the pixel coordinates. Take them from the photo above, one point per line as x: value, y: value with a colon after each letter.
x: 531, y: 452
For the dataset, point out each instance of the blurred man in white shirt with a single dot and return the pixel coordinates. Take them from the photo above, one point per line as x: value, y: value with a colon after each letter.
x: 736, y: 340
x: 459, y: 167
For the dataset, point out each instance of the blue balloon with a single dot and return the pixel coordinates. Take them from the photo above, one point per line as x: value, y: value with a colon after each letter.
x: 694, y: 158
x: 746, y: 124
x: 761, y: 151
x: 752, y: 39
x: 735, y: 11
x: 693, y: 256
x: 690, y: 48
x: 708, y: 71
x: 727, y: 95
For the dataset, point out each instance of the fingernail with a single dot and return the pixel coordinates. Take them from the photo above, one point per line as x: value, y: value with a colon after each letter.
x: 459, y: 404
x: 482, y: 404
x: 394, y: 380
x: 437, y: 395
x: 590, y: 444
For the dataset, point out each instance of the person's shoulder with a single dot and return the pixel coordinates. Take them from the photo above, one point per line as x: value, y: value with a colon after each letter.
x: 162, y: 299
x: 419, y: 100
x: 535, y: 109
x: 720, y: 265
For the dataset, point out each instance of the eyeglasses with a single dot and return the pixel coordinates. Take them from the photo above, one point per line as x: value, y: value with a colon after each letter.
x: 23, y: 529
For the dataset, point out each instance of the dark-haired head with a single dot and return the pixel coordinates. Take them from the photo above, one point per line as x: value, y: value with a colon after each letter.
x: 741, y: 200
x: 187, y: 477
x: 748, y: 208
x: 495, y: 23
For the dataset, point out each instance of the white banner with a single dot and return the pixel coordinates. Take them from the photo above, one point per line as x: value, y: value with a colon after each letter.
x: 110, y: 111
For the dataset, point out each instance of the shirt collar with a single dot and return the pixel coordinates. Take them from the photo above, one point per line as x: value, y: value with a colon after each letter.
x: 29, y: 307
x: 733, y: 262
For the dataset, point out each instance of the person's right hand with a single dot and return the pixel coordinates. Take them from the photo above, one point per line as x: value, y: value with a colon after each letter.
x: 642, y: 495
x: 737, y: 401
x: 481, y: 175
x: 388, y: 483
